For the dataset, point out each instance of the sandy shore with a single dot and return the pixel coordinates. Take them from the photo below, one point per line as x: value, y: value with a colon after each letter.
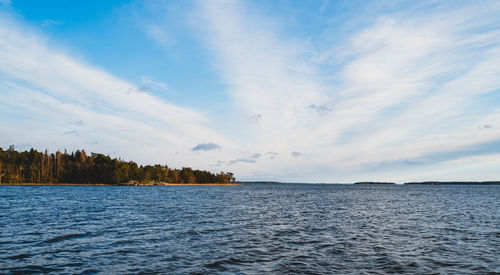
x: 100, y: 184
x: 202, y: 184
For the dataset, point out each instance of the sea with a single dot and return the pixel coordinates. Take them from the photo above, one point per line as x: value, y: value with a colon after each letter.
x: 250, y: 229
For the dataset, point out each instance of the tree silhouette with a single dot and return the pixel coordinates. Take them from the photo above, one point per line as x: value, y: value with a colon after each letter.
x: 78, y: 167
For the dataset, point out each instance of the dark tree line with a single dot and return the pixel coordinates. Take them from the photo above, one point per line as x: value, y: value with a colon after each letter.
x: 78, y: 167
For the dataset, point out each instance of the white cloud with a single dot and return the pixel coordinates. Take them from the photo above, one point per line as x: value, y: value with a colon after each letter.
x: 267, y: 78
x: 150, y: 84
x: 44, y: 91
x: 251, y: 159
x: 431, y: 84
x: 379, y: 105
x: 412, y: 85
x: 324, y: 6
x: 206, y: 147
x: 50, y: 23
x: 480, y: 160
x: 159, y: 34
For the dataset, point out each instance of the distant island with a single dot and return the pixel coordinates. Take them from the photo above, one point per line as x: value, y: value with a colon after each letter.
x: 432, y: 183
x: 33, y: 167
x: 454, y: 183
x: 374, y: 182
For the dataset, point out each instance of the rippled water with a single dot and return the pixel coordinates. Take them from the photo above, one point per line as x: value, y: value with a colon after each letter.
x: 250, y: 229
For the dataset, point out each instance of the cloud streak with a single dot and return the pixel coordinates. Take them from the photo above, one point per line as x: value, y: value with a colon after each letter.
x: 206, y: 147
x: 149, y: 84
x: 250, y: 159
x: 385, y: 95
x: 410, y: 86
x: 52, y: 88
x: 77, y: 123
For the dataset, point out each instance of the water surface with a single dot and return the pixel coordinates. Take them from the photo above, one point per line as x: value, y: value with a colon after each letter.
x: 278, y: 229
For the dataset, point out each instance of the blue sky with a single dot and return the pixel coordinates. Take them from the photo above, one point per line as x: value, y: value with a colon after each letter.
x: 302, y: 91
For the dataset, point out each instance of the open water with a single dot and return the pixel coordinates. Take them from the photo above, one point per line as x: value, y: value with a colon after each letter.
x: 278, y: 229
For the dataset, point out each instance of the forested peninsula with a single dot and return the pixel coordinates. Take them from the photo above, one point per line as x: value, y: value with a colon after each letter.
x: 79, y: 168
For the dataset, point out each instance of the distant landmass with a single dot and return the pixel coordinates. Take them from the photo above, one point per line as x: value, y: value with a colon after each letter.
x: 454, y: 183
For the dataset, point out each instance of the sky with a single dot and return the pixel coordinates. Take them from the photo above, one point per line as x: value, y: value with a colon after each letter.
x: 294, y: 91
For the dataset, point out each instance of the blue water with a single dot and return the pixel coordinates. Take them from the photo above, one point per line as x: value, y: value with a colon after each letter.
x: 278, y: 229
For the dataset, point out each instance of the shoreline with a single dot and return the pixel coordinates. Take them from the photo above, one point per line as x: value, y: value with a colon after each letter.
x: 102, y: 184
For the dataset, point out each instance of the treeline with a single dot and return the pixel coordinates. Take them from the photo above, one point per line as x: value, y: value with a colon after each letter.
x: 78, y: 167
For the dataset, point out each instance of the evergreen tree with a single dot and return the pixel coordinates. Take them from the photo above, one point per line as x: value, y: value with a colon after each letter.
x: 78, y: 167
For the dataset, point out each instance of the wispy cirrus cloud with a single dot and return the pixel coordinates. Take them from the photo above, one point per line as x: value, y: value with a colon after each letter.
x: 159, y: 34
x: 272, y: 155
x: 148, y: 84
x: 412, y: 84
x: 50, y: 23
x: 70, y: 133
x: 321, y: 109
x: 251, y: 159
x: 42, y: 88
x: 77, y: 123
x: 393, y: 92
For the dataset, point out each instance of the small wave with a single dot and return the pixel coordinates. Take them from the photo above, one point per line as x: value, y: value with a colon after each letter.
x: 413, y: 265
x: 220, y: 264
x: 66, y: 237
x: 30, y: 269
x: 33, y: 233
x: 124, y: 242
x: 388, y: 264
x: 90, y: 271
x: 18, y: 257
x: 125, y: 251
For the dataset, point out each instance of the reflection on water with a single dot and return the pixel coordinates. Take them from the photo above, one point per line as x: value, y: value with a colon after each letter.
x: 249, y: 229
